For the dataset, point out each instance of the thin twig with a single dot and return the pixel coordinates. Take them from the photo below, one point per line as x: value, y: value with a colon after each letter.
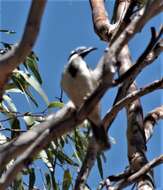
x: 150, y: 121
x: 134, y: 177
x: 129, y: 98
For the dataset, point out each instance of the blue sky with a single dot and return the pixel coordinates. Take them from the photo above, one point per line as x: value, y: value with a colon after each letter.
x: 65, y: 26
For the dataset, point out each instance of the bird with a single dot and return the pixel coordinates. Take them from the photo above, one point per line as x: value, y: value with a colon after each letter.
x: 78, y: 81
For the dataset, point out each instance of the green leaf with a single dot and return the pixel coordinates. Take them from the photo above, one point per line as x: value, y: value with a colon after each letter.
x: 54, y: 184
x: 7, y: 31
x: 18, y: 182
x: 15, y: 124
x: 32, y: 178
x: 48, y: 183
x: 99, y: 165
x: 81, y: 143
x: 19, y: 81
x: 11, y: 105
x: 43, y: 155
x: 23, y: 86
x: 33, y: 82
x: 31, y: 63
x: 55, y: 104
x: 67, y: 180
x: 29, y: 121
x: 64, y: 158
x: 14, y: 90
x: 31, y: 97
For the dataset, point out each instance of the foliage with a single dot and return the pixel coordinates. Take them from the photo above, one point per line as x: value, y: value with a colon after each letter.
x: 24, y: 81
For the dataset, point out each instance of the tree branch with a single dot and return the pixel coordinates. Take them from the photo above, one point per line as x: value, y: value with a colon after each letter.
x: 23, y: 161
x: 100, y: 19
x: 134, y: 177
x: 127, y: 178
x: 129, y: 76
x: 144, y: 60
x: 87, y: 165
x: 154, y: 48
x: 14, y: 148
x: 10, y: 60
x: 111, y: 58
x: 60, y: 124
x: 137, y: 23
x: 129, y: 98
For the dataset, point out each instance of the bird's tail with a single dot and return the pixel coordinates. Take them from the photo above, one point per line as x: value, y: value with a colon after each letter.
x: 101, y: 137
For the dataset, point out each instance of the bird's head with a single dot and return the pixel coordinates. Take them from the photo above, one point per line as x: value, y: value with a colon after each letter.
x: 81, y: 51
x: 75, y: 60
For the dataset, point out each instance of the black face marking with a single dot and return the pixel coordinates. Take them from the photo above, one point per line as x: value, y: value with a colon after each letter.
x: 73, y: 70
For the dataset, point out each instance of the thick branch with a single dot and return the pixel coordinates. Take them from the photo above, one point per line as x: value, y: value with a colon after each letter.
x: 60, y: 119
x: 9, y: 61
x: 113, y: 52
x: 129, y: 76
x: 100, y: 19
x: 56, y: 125
x: 13, y: 149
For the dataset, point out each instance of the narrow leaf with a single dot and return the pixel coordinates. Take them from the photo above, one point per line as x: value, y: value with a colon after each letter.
x: 15, y: 125
x: 64, y: 158
x: 11, y: 105
x: 48, y: 183
x: 7, y: 31
x: 31, y: 62
x: 53, y: 182
x: 55, y: 104
x: 32, y: 178
x: 99, y: 165
x: 67, y: 180
x: 33, y: 82
x: 44, y: 157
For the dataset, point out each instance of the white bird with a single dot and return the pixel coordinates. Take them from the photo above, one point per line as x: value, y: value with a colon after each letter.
x: 78, y: 81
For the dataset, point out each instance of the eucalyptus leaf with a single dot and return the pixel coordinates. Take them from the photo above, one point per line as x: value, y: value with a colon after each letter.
x: 43, y: 155
x: 29, y: 120
x: 7, y: 31
x: 31, y: 97
x: 18, y: 182
x: 55, y: 104
x: 81, y: 143
x: 99, y: 165
x: 62, y: 157
x: 31, y: 62
x: 48, y: 182
x: 53, y: 180
x: 67, y: 180
x: 15, y: 125
x: 10, y: 103
x: 32, y: 178
x: 33, y: 82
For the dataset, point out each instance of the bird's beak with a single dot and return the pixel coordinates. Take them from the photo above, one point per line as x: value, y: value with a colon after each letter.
x: 86, y: 51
